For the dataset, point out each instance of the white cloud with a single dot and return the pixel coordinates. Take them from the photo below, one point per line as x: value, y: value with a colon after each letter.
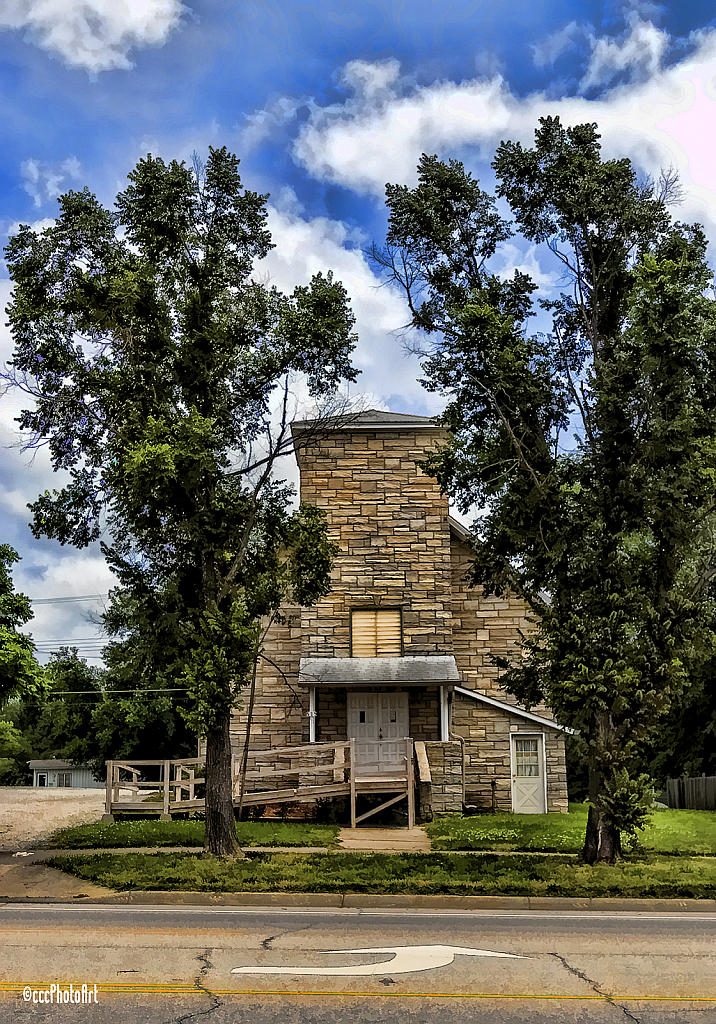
x: 548, y: 50
x: 44, y: 181
x: 378, y: 135
x: 96, y: 35
x: 36, y: 225
x: 658, y: 121
x: 640, y: 52
x: 306, y: 246
x: 526, y: 262
x: 264, y: 123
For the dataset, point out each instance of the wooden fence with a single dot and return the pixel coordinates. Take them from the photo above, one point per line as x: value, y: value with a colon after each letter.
x: 695, y: 794
x: 319, y: 770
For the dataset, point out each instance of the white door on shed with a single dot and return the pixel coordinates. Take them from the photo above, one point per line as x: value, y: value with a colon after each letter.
x: 528, y: 782
x: 379, y: 724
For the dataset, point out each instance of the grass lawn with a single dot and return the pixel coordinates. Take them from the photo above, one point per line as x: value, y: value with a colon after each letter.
x: 190, y: 833
x: 427, y: 874
x: 689, y: 833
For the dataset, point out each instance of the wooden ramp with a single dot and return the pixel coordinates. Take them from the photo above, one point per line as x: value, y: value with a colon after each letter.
x: 320, y: 770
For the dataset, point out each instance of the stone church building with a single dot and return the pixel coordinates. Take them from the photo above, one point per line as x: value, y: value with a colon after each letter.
x: 401, y: 646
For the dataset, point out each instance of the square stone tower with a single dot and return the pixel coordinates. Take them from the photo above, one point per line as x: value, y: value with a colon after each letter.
x: 390, y: 522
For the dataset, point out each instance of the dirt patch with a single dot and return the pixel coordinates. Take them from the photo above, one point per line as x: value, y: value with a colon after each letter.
x: 29, y: 816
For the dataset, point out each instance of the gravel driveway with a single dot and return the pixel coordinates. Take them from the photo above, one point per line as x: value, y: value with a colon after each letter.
x: 29, y: 816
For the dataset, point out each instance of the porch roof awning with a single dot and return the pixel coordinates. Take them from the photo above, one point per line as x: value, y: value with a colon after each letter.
x: 433, y: 670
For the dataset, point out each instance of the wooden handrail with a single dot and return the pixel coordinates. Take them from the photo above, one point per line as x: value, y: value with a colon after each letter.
x: 308, y: 748
x: 343, y: 761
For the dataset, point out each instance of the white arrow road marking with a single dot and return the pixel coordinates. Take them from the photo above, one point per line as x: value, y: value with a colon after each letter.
x: 405, y: 959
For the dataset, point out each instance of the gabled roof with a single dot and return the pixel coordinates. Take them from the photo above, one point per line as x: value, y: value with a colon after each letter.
x: 371, y: 419
x: 53, y: 762
x: 512, y: 710
x: 458, y: 530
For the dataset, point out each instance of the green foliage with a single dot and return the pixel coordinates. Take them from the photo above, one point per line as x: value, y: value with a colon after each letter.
x: 61, y: 725
x: 81, y: 719
x: 425, y: 874
x: 684, y: 833
x: 20, y: 675
x: 189, y: 833
x: 14, y: 755
x: 627, y: 801
x: 156, y: 362
x: 137, y: 724
x: 599, y: 539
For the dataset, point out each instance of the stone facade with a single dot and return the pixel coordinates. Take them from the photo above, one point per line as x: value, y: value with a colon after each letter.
x: 392, y: 527
x: 399, y: 548
x: 446, y: 770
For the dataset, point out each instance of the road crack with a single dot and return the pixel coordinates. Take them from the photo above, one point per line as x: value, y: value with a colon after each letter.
x: 199, y: 985
x: 266, y: 943
x: 594, y: 985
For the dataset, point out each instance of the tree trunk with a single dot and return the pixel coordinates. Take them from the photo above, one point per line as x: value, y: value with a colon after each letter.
x: 220, y: 834
x: 602, y: 842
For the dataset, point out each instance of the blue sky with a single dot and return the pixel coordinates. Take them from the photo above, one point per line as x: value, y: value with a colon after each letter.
x: 324, y: 103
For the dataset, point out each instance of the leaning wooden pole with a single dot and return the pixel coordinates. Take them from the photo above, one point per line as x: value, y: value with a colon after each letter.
x: 247, y: 739
x: 352, y: 748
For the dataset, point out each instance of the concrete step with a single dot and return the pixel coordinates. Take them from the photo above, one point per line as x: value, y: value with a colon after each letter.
x: 385, y: 840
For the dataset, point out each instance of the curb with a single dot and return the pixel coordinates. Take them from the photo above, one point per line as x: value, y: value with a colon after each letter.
x: 358, y: 902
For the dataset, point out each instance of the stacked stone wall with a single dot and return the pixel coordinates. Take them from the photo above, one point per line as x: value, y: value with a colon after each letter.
x: 391, y: 524
x: 280, y: 716
x: 445, y: 760
x: 486, y: 732
x: 332, y: 708
x: 485, y: 626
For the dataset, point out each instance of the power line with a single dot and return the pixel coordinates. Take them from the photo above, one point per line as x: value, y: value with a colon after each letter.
x: 66, y: 600
x: 73, y: 640
x: 109, y: 693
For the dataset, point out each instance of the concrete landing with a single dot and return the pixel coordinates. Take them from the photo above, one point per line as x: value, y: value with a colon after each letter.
x: 384, y: 840
x: 37, y: 881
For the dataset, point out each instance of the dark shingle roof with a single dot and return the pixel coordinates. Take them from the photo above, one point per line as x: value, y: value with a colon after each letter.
x: 416, y: 671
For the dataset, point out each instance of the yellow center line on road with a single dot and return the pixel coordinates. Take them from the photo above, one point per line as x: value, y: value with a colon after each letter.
x: 111, y: 988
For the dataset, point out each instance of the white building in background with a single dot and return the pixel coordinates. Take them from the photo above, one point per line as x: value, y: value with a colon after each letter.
x: 55, y: 774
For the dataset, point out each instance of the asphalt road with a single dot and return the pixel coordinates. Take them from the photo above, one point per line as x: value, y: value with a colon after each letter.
x: 168, y: 965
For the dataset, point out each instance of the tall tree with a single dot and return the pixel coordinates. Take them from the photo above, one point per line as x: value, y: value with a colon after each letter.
x: 20, y: 674
x: 140, y: 714
x: 153, y: 358
x: 595, y: 532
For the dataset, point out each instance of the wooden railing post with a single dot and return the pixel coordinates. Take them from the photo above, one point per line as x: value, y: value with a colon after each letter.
x: 166, y: 816
x: 108, y: 816
x: 409, y: 780
x: 352, y: 749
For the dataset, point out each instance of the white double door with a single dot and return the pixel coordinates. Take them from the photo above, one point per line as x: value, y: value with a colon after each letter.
x: 379, y: 723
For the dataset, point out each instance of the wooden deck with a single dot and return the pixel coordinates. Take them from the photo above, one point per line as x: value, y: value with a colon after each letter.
x: 321, y: 769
